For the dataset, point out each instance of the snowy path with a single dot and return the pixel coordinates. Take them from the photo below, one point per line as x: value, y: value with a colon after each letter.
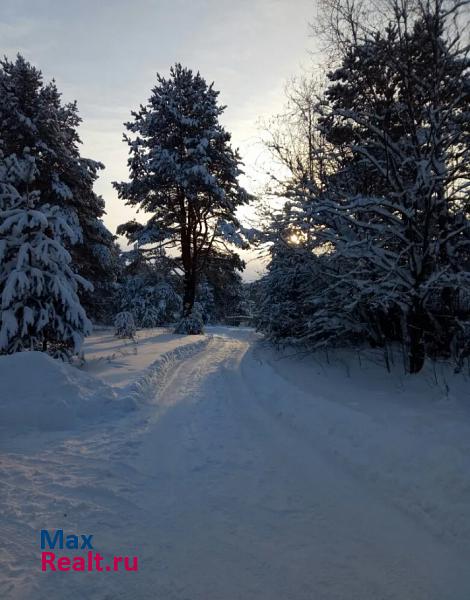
x: 225, y: 493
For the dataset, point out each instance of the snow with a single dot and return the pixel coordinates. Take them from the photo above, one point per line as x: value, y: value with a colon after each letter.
x: 41, y: 393
x: 410, y: 436
x: 58, y: 396
x: 118, y: 362
x: 247, y: 474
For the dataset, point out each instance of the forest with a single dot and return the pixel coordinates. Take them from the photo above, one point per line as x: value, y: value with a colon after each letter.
x: 365, y: 219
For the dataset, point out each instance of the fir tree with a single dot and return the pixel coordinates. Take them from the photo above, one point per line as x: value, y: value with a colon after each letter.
x: 149, y: 291
x: 221, y: 290
x: 124, y: 325
x: 40, y: 309
x: 33, y: 115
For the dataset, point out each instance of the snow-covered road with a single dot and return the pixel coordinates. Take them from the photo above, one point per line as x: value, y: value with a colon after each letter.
x: 234, y: 486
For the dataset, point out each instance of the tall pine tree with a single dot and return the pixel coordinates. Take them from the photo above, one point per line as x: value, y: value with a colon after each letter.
x: 184, y: 173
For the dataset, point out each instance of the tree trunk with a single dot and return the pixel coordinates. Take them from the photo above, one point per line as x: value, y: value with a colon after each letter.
x: 189, y: 294
x: 415, y: 343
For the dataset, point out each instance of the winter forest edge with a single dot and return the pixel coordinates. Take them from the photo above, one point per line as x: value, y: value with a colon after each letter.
x: 365, y: 221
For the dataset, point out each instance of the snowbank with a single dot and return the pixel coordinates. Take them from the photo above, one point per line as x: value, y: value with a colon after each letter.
x: 39, y: 392
x: 117, y: 362
x: 152, y: 381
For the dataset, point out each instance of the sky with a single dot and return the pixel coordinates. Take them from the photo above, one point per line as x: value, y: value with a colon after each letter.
x: 106, y: 55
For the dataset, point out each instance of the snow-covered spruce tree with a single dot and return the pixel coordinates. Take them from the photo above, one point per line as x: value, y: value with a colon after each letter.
x: 40, y: 309
x: 148, y: 291
x: 32, y: 114
x: 294, y: 287
x: 296, y: 297
x: 184, y: 173
x: 221, y: 290
x: 205, y: 301
x: 285, y: 292
x: 153, y: 303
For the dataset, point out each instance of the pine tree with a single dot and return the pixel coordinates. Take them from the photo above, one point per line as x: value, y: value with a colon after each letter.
x: 184, y: 173
x: 40, y: 309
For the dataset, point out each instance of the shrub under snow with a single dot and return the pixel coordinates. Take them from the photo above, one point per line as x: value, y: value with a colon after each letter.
x: 192, y: 324
x: 124, y: 325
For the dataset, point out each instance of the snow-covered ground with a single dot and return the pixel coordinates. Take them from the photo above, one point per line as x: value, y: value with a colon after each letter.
x: 117, y: 362
x: 235, y: 472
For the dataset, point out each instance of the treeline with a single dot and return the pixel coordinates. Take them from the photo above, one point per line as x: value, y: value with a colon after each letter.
x: 370, y: 244
x: 61, y: 268
x: 373, y: 243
